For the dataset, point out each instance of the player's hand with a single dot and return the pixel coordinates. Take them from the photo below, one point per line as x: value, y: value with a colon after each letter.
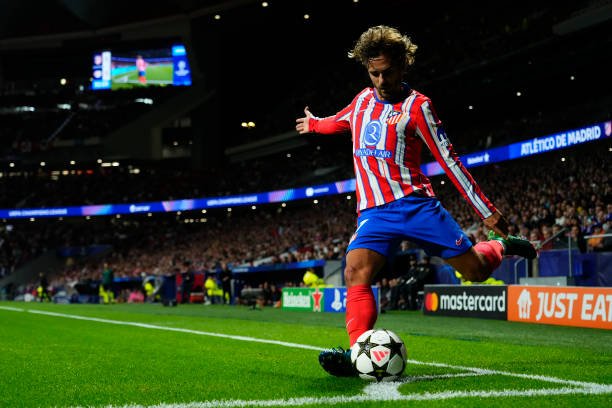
x: 498, y: 223
x: 301, y: 124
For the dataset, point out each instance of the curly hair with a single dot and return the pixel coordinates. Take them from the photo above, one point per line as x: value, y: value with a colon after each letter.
x: 385, y: 40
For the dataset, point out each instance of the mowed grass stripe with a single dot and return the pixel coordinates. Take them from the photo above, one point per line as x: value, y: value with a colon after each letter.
x: 58, y: 362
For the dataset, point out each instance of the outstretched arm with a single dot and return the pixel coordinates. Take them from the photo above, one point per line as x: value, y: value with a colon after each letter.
x: 302, y: 124
x: 337, y: 123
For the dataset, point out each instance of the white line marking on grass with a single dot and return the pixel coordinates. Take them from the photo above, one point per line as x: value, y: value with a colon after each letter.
x: 372, y: 392
x: 122, y: 79
x: 12, y: 309
x: 382, y: 396
x: 485, y: 371
x: 177, y: 329
x: 417, y: 378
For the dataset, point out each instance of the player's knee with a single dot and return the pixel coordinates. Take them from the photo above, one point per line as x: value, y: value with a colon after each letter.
x: 357, y: 276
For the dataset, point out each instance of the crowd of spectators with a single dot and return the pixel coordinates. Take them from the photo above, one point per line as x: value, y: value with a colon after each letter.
x: 90, y: 183
x: 542, y: 195
x: 566, y: 194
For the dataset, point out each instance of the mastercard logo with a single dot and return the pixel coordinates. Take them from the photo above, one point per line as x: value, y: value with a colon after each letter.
x: 431, y: 302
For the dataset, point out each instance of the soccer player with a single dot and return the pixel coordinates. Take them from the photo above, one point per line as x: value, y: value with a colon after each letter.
x: 141, y: 67
x: 390, y: 123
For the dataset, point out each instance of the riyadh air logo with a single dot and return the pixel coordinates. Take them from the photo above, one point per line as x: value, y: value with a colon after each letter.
x: 524, y: 304
x: 372, y: 133
x: 380, y: 355
x: 431, y: 302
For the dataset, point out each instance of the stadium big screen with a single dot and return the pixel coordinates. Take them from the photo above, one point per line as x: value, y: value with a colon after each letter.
x: 132, y: 69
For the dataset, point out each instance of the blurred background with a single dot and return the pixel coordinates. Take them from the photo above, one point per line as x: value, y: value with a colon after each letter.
x: 212, y: 114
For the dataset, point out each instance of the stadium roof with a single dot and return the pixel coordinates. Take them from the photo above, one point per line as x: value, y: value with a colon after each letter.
x: 31, y: 18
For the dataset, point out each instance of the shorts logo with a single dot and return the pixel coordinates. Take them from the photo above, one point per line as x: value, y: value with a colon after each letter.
x: 361, y: 224
x: 357, y: 230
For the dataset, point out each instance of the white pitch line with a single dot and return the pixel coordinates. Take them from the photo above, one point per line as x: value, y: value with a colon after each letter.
x: 416, y: 378
x: 12, y: 309
x: 373, y: 392
x: 485, y: 371
x: 122, y: 79
x: 383, y: 396
x: 177, y: 329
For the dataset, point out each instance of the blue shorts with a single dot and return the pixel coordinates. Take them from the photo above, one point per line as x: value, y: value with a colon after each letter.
x: 418, y: 219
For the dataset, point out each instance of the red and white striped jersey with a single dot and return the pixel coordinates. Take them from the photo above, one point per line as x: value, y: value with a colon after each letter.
x: 387, y: 143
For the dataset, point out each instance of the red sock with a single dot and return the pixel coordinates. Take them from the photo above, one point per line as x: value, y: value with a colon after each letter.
x: 493, y: 252
x: 361, y: 311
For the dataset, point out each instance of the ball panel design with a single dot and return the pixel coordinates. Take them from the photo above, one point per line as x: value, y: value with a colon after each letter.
x: 396, y: 365
x: 363, y: 364
x: 404, y: 352
x: 364, y: 336
x: 354, y: 353
x: 379, y: 355
x: 380, y: 337
x: 367, y: 377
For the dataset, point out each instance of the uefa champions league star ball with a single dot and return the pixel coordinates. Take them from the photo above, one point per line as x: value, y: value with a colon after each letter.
x: 379, y: 355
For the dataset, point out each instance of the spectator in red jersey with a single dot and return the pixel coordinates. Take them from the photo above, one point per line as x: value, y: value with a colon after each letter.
x: 390, y: 123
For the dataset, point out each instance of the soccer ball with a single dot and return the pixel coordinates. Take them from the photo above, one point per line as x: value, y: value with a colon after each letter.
x: 379, y: 354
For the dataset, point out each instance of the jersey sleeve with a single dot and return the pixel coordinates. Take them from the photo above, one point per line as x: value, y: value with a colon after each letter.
x: 430, y: 129
x: 338, y: 123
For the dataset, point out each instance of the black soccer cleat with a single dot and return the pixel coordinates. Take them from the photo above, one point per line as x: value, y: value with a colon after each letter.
x: 337, y: 362
x: 515, y: 246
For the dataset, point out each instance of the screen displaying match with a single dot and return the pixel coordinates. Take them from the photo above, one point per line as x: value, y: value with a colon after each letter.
x: 133, y: 69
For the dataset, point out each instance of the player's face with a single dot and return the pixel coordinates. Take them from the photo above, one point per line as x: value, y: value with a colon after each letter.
x: 386, y: 78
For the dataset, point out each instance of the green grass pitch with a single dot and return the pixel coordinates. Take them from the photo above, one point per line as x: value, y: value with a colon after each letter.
x: 159, y: 74
x: 129, y: 355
